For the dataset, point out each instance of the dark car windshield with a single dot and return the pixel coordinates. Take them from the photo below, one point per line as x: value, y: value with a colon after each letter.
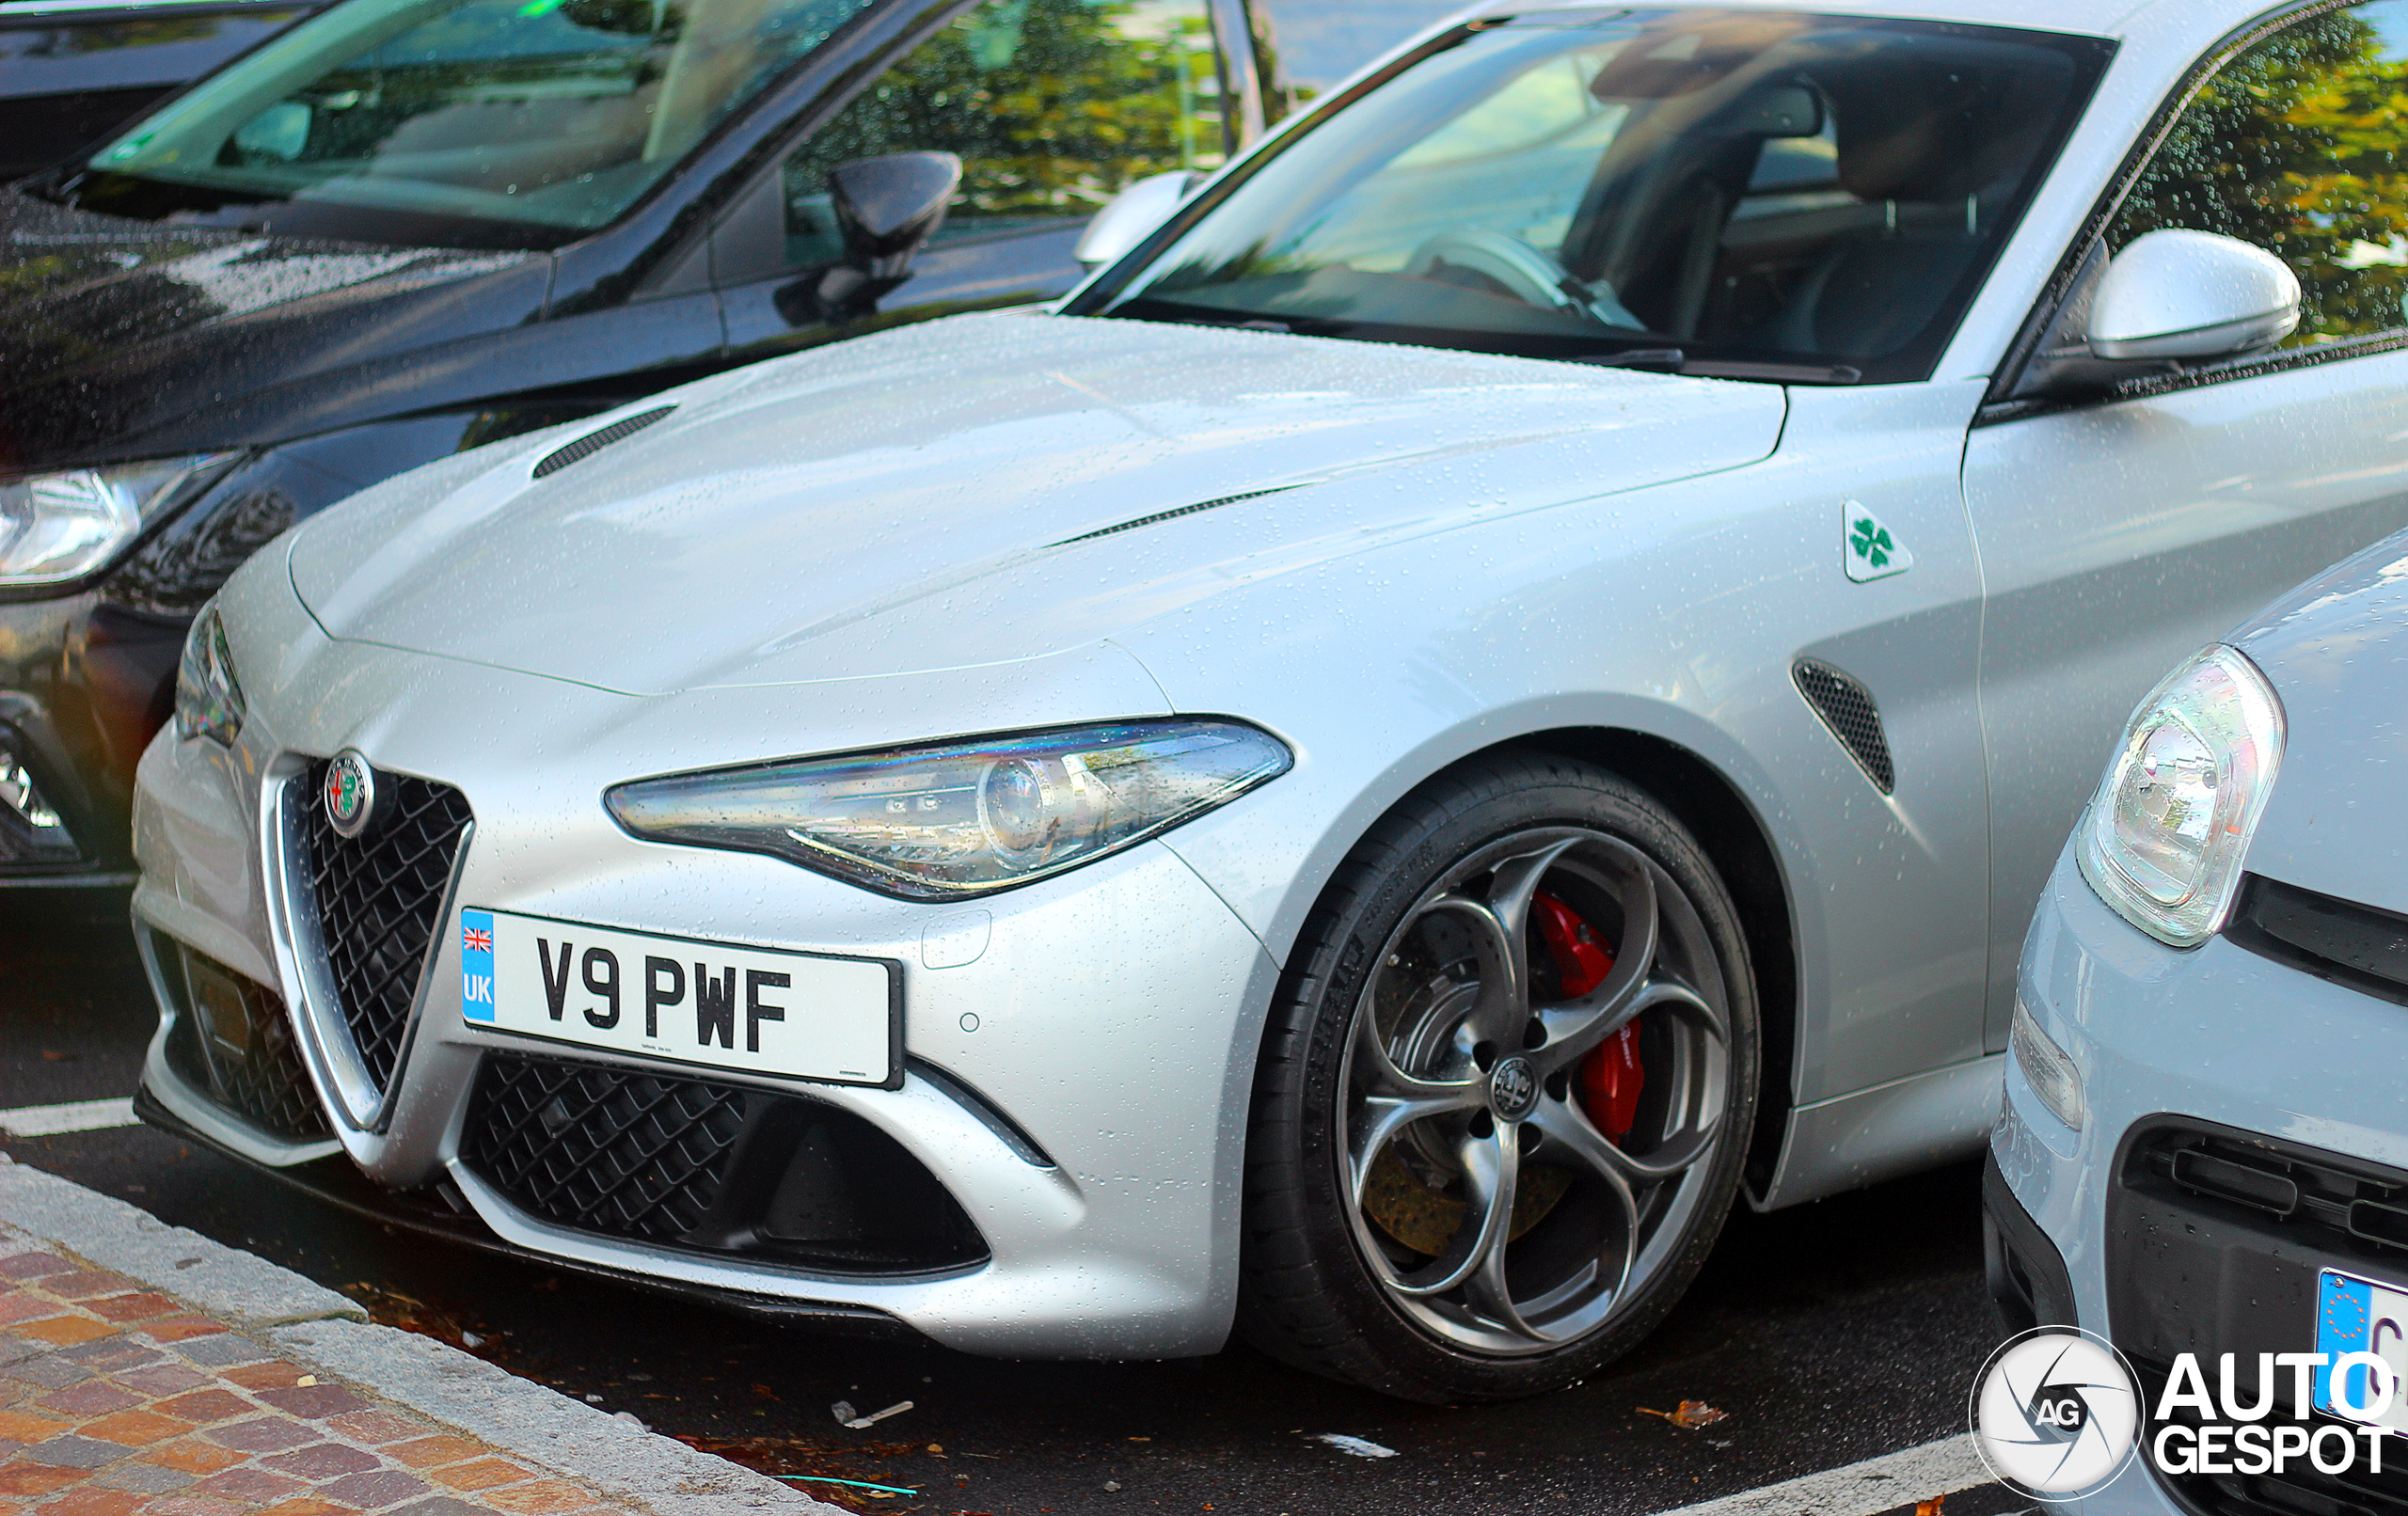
x: 1758, y: 194
x: 517, y: 123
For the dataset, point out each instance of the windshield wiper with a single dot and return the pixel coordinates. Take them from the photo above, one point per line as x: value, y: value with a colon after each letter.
x: 1669, y: 359
x: 1782, y: 374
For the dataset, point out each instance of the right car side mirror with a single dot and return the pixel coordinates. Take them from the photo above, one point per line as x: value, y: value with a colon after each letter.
x: 1130, y: 216
x: 2184, y: 296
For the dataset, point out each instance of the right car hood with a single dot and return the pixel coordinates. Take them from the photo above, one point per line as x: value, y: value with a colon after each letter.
x: 2336, y: 653
x: 978, y: 490
x: 130, y: 339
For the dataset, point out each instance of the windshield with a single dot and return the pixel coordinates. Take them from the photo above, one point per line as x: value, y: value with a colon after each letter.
x: 1755, y: 193
x: 475, y: 123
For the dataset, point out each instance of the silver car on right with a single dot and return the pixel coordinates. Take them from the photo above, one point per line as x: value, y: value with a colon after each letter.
x: 2203, y: 1150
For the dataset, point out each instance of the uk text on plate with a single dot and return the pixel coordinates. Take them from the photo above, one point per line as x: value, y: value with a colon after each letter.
x: 715, y: 1003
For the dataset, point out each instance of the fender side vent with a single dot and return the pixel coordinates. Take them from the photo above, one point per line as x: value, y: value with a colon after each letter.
x: 1847, y: 707
x: 594, y: 442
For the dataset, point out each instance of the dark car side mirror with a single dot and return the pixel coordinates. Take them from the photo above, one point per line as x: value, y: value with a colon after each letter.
x: 886, y: 209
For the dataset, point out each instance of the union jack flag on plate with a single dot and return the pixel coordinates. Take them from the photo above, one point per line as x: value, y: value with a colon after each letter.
x: 473, y: 940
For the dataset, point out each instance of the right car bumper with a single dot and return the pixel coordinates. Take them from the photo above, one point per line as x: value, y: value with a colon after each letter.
x: 1082, y: 1108
x: 2265, y: 1077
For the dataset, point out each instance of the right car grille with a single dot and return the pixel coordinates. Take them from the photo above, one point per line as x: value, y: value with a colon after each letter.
x: 715, y: 1168
x: 232, y: 1043
x: 378, y: 897
x: 2215, y: 1237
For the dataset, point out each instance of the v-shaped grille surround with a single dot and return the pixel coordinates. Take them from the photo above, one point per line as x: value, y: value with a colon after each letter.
x: 379, y: 899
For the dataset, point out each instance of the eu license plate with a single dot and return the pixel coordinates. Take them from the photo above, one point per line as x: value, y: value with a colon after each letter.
x: 719, y: 1004
x: 2355, y: 1314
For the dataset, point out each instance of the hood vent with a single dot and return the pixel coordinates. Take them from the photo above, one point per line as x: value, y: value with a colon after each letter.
x: 1169, y: 516
x: 594, y: 442
x: 1847, y: 707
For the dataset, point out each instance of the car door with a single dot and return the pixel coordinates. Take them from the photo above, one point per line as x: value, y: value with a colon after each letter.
x: 1053, y: 105
x: 2119, y: 532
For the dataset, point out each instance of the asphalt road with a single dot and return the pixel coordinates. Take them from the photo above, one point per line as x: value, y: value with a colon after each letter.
x: 1828, y: 1332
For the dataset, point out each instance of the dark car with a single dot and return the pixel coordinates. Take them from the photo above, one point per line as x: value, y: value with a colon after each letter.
x: 71, y: 70
x: 404, y: 228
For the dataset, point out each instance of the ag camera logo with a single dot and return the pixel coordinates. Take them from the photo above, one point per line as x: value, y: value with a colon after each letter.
x: 2056, y: 1413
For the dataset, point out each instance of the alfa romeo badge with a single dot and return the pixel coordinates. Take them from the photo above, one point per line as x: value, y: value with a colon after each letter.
x: 351, y: 792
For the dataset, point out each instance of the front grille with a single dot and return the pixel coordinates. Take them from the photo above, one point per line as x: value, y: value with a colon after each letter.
x: 696, y: 1164
x: 2351, y: 944
x: 233, y: 1042
x: 378, y: 899
x: 2215, y: 1238
x: 1847, y: 707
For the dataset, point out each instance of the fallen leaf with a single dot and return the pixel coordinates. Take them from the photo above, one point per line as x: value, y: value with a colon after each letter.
x: 1691, y: 1414
x: 1931, y: 1507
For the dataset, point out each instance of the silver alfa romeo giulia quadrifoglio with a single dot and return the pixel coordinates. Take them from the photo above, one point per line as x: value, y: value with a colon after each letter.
x: 1509, y: 674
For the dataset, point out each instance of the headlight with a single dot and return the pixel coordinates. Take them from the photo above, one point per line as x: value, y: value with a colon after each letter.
x: 961, y: 818
x: 59, y: 527
x: 2163, y: 838
x: 209, y: 700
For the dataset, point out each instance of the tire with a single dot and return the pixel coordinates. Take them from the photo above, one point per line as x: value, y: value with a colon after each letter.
x: 1436, y: 1211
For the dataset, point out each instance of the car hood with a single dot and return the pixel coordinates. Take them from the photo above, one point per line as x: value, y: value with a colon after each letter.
x: 2335, y: 651
x: 130, y: 339
x: 981, y: 489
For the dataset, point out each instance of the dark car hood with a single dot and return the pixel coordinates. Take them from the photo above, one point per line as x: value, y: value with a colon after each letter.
x: 130, y: 339
x: 2336, y: 653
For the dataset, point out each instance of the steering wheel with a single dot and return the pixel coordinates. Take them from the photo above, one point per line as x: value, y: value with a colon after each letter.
x: 1522, y: 271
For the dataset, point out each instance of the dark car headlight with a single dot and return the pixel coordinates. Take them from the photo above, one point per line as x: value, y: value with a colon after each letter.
x: 962, y: 818
x: 58, y: 527
x: 2165, y: 836
x: 209, y: 699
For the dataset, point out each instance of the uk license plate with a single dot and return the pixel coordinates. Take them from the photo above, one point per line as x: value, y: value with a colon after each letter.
x: 2355, y: 1314
x: 718, y: 1004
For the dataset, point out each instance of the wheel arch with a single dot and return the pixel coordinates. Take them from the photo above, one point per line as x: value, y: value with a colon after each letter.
x: 1741, y: 849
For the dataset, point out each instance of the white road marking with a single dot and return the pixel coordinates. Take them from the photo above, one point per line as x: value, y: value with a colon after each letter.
x: 1878, y: 1484
x: 75, y: 1115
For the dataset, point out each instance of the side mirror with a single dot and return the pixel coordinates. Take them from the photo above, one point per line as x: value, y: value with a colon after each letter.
x: 1132, y: 216
x: 886, y: 208
x: 2179, y: 296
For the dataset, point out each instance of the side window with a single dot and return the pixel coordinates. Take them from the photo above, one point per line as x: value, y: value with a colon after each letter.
x: 2297, y: 146
x: 1054, y: 105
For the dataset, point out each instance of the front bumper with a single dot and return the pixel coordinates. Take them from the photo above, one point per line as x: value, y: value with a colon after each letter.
x: 2232, y: 1053
x: 1079, y: 1088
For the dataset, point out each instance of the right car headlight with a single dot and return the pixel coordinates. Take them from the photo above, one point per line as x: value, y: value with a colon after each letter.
x: 2163, y: 838
x: 59, y: 527
x: 952, y: 819
x: 209, y: 699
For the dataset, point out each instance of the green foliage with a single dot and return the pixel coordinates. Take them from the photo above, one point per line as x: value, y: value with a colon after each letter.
x: 1054, y: 105
x: 2296, y: 146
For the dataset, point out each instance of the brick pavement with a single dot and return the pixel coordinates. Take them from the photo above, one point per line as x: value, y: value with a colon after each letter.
x: 116, y: 1400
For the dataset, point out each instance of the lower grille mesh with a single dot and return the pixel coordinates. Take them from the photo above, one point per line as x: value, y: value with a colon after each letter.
x: 378, y: 897
x: 233, y: 1042
x: 700, y: 1165
x: 603, y: 1150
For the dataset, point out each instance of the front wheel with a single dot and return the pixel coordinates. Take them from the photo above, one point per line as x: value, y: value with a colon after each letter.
x: 1506, y: 1094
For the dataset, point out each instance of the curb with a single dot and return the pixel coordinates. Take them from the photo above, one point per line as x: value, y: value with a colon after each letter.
x: 309, y: 1322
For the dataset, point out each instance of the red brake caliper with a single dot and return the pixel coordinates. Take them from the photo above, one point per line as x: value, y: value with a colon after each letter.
x: 1610, y: 1077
